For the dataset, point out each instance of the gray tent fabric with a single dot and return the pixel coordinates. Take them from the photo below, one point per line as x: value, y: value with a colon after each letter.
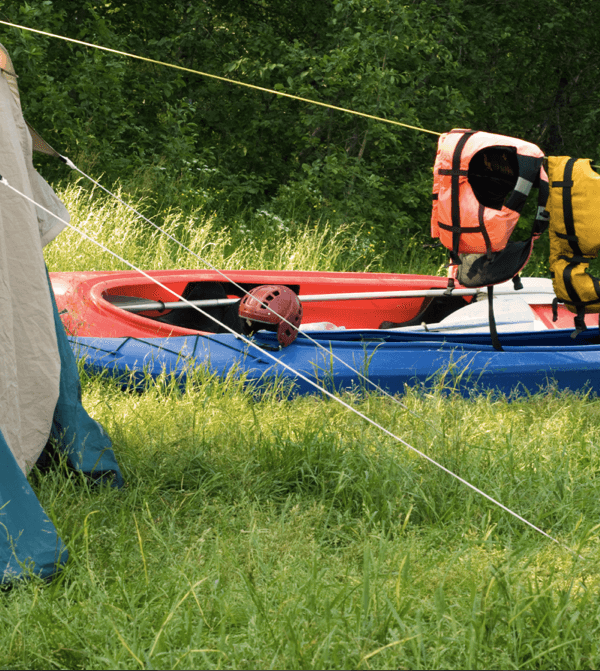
x: 40, y: 390
x: 29, y: 359
x: 49, y: 227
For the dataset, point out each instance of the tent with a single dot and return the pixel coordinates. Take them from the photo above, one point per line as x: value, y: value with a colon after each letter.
x: 40, y: 391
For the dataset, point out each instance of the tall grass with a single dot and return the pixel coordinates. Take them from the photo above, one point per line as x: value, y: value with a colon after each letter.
x: 290, y: 534
x: 267, y: 243
x: 297, y: 537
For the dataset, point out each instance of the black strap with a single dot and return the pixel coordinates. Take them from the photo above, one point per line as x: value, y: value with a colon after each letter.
x: 575, y: 259
x: 516, y: 280
x: 574, y: 297
x: 576, y: 301
x: 572, y: 263
x: 459, y: 172
x: 484, y: 233
x: 492, y: 320
x: 579, y: 320
x: 596, y: 284
x: 567, y: 185
x: 564, y: 236
x: 542, y: 219
x: 584, y: 304
x: 462, y: 229
x: 454, y: 191
x: 580, y: 326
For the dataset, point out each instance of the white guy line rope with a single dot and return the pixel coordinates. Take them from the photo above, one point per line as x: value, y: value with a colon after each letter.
x: 266, y: 353
x: 315, y: 342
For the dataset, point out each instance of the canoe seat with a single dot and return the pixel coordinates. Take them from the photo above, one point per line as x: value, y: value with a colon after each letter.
x: 191, y: 318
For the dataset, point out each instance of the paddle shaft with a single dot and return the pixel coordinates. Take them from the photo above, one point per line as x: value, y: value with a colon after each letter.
x: 134, y: 304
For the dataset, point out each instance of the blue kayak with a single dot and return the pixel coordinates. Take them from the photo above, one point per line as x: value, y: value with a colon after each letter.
x: 531, y: 361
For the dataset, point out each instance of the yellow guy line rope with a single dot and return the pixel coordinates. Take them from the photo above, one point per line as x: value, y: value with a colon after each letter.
x: 222, y: 79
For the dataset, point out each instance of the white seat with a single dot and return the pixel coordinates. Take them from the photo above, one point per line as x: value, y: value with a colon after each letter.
x: 512, y: 314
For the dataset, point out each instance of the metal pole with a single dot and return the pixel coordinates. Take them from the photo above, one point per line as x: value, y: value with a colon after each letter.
x: 134, y: 304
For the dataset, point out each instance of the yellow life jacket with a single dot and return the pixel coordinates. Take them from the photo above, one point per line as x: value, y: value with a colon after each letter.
x: 574, y: 206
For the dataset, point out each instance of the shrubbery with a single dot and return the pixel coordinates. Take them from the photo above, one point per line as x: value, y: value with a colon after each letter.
x: 525, y: 69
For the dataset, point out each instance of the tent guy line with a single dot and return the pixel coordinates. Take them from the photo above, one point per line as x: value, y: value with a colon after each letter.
x: 222, y: 79
x: 41, y: 145
x: 303, y: 334
x: 307, y: 336
x: 309, y: 101
x: 265, y: 353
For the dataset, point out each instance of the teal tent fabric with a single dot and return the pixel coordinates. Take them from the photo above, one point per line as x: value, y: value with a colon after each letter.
x: 29, y: 542
x: 74, y: 432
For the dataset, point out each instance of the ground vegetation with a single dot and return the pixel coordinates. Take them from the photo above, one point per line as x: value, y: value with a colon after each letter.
x: 256, y: 532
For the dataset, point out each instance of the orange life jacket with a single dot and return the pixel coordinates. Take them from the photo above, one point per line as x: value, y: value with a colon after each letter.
x: 478, y: 197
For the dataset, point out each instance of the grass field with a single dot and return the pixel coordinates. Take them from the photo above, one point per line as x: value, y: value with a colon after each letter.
x: 291, y: 534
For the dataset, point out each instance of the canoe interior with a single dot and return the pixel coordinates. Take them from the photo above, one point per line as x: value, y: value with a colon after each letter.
x: 85, y: 310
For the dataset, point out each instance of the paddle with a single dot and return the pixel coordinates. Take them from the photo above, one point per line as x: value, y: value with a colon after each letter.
x: 135, y: 304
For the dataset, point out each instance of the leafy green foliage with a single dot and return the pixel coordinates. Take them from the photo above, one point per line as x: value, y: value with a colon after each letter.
x: 523, y: 69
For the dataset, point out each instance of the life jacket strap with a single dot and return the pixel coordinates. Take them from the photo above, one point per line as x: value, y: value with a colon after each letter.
x: 568, y: 238
x: 575, y: 300
x: 542, y: 218
x: 458, y: 173
x: 492, y: 320
x: 585, y: 304
x: 471, y: 229
x: 580, y: 326
x: 555, y: 303
x: 454, y: 189
x: 567, y: 185
x: 574, y: 297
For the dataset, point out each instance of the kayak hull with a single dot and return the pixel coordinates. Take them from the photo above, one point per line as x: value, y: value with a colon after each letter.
x: 392, y: 363
x: 136, y: 347
x: 82, y: 297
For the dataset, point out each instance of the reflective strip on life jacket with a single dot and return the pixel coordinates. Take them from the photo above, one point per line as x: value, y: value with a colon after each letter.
x: 574, y: 206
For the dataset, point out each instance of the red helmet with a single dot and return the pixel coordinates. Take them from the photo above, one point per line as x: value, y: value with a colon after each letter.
x: 273, y: 305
